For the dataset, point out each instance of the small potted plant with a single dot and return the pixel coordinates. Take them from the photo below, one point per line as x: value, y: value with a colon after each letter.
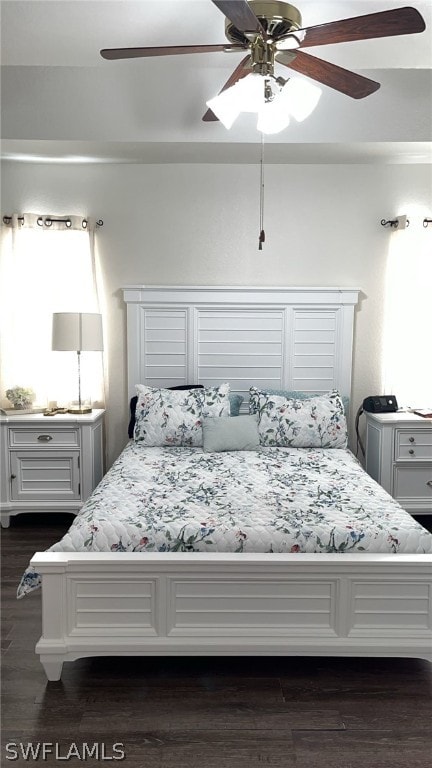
x: 20, y: 397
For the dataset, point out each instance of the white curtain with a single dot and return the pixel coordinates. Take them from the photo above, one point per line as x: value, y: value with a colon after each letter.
x: 407, y: 348
x: 45, y: 269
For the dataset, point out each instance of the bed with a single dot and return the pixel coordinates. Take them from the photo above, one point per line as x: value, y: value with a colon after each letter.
x: 183, y: 551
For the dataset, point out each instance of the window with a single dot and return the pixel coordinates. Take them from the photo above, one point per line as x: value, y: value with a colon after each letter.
x: 407, y: 347
x: 46, y: 269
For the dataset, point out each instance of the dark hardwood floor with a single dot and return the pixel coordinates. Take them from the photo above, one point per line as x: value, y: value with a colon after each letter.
x: 204, y: 712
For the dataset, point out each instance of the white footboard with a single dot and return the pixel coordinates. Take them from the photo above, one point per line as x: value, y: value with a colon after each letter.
x: 233, y: 604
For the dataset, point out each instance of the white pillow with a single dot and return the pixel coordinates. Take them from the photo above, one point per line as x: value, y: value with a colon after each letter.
x: 174, y: 417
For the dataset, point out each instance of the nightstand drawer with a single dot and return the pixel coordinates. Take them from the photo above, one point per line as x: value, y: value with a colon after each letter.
x: 413, y: 482
x: 413, y: 445
x: 21, y: 437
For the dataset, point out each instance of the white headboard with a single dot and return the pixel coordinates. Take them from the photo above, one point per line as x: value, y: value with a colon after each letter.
x: 284, y: 338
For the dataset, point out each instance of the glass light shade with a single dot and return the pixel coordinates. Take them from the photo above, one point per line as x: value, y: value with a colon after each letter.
x: 273, y: 117
x: 246, y: 95
x: 225, y: 107
x: 250, y: 92
x: 300, y: 98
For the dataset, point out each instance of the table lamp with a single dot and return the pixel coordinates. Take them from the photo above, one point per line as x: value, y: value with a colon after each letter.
x: 77, y: 332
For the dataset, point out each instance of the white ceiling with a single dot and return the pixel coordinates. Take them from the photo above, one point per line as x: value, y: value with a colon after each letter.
x: 61, y: 100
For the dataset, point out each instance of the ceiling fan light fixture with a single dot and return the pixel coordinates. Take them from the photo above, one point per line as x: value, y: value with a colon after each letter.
x: 265, y: 96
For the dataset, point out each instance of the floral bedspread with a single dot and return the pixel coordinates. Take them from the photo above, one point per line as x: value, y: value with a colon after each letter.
x: 270, y: 500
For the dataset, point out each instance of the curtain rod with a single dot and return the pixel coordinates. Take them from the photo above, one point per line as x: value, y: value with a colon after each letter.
x: 402, y: 222
x: 47, y: 221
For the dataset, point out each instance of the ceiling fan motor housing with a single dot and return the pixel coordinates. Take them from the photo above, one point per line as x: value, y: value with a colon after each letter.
x: 278, y: 19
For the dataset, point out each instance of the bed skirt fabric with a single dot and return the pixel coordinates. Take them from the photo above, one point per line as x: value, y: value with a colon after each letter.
x: 270, y: 500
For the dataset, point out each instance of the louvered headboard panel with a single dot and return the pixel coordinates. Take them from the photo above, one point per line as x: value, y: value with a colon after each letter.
x: 290, y: 338
x: 240, y: 346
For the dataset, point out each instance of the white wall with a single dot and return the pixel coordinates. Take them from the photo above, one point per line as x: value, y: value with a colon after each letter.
x: 199, y: 224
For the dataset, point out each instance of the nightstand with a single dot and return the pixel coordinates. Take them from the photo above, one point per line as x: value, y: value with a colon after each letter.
x: 49, y: 463
x: 399, y: 457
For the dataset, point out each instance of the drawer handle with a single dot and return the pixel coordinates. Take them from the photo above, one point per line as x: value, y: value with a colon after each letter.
x: 44, y: 438
x: 429, y: 483
x: 411, y: 439
x: 411, y: 451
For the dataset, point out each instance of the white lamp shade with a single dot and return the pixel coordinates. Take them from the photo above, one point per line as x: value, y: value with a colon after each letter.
x: 77, y: 332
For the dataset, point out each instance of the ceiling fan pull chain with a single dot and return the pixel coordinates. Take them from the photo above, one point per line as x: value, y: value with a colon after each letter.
x: 261, y: 239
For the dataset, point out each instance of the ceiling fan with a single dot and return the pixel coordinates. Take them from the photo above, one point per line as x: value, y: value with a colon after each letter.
x: 271, y: 32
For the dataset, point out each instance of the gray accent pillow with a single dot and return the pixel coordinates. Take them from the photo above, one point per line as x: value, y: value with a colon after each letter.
x: 228, y: 434
x: 235, y: 403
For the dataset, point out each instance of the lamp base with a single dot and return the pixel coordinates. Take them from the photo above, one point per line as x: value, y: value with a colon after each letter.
x: 78, y: 410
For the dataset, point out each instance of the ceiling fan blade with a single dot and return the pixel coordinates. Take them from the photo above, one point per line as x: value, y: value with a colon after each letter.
x: 241, y: 15
x: 167, y: 50
x: 399, y: 21
x: 241, y: 71
x: 335, y: 77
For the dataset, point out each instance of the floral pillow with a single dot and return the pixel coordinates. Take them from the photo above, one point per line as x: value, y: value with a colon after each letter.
x: 296, y: 394
x: 169, y: 417
x: 315, y: 422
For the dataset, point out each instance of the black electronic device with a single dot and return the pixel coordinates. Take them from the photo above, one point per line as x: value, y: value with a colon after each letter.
x: 380, y: 404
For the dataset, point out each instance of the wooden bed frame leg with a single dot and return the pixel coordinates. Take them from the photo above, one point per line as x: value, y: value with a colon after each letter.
x: 51, y: 646
x: 53, y: 668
